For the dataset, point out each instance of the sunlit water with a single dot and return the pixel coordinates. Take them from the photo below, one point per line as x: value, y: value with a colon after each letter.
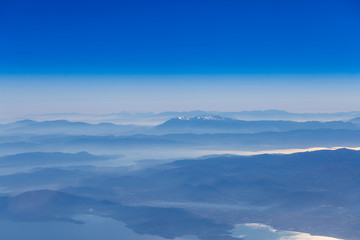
x: 256, y: 231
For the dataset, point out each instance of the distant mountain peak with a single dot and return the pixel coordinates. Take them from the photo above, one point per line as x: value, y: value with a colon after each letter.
x: 205, y: 117
x: 25, y: 121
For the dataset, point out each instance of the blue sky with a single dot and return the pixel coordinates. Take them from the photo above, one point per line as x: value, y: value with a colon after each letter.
x: 179, y: 36
x: 220, y: 55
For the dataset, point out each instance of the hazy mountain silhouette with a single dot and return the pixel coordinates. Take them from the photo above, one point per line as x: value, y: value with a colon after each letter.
x: 315, y: 192
x: 68, y: 127
x: 197, y: 124
x: 46, y: 205
x: 146, y: 118
x: 217, y: 124
x: 40, y: 158
x: 183, y: 142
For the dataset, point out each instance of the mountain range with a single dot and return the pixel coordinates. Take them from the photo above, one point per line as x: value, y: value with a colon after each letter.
x: 198, y: 124
x: 217, y: 124
x: 47, y: 205
x: 314, y: 192
x: 144, y: 146
x: 149, y: 118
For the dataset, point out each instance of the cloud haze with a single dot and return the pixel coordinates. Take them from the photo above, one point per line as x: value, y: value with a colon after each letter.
x: 22, y: 95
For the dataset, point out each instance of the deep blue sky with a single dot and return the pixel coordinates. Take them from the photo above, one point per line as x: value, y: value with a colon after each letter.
x: 109, y: 56
x: 179, y: 36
